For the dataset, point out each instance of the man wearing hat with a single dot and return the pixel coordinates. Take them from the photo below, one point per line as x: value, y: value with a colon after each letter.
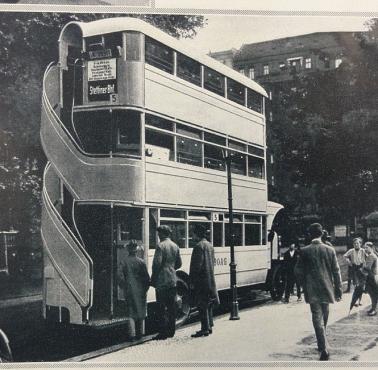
x: 318, y: 271
x: 166, y: 261
x: 203, y: 281
x: 135, y: 281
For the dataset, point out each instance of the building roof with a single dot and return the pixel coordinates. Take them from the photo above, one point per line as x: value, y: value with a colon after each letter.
x: 119, y: 24
x: 295, y: 44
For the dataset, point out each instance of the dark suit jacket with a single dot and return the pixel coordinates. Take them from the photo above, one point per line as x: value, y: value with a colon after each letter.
x: 318, y: 271
x: 166, y: 261
x: 290, y: 262
x: 202, y: 272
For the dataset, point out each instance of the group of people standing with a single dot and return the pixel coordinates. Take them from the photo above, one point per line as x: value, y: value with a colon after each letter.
x: 362, y: 271
x: 134, y: 279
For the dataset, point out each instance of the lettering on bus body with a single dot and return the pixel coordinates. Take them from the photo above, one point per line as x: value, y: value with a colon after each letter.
x: 220, y: 261
x: 102, y: 79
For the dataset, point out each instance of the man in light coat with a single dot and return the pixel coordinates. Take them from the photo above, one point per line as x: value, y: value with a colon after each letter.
x: 166, y: 261
x: 318, y: 272
x: 202, y: 280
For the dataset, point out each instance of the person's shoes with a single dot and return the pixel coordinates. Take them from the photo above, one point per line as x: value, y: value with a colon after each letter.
x: 360, y: 304
x: 347, y: 291
x: 324, y: 356
x: 285, y: 300
x: 200, y: 334
x: 160, y: 337
x: 356, y: 305
x: 210, y: 331
x: 299, y: 299
x: 372, y: 313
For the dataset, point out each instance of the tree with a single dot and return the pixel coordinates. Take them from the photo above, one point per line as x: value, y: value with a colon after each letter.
x: 326, y: 138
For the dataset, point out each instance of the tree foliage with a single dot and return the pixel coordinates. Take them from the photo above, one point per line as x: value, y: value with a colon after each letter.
x: 326, y: 138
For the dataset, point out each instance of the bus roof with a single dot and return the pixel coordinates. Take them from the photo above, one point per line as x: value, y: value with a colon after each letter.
x: 119, y: 24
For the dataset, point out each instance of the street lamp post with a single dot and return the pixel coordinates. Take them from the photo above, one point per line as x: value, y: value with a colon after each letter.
x: 235, y: 305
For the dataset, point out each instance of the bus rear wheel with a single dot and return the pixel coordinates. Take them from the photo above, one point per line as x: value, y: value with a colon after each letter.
x: 182, y: 302
x: 277, y: 287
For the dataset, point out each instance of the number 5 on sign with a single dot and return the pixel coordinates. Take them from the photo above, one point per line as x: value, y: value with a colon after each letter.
x: 215, y: 217
x: 114, y: 98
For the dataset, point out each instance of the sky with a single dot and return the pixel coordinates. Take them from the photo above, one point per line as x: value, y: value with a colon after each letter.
x: 224, y: 32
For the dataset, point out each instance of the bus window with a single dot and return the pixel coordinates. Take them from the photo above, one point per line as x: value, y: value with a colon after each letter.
x: 264, y: 231
x: 252, y: 234
x: 238, y: 163
x: 235, y: 92
x: 189, y: 151
x: 93, y: 130
x: 113, y: 40
x: 214, y: 157
x: 127, y: 125
x: 218, y: 234
x: 254, y: 101
x: 188, y: 69
x: 159, y: 55
x: 159, y: 145
x: 238, y: 233
x: 159, y: 122
x: 192, y: 240
x: 213, y: 81
x: 133, y: 46
x: 256, y: 151
x: 178, y: 232
x: 256, y: 167
x: 152, y: 228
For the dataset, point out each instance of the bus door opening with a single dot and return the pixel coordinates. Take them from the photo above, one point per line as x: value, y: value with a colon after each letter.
x: 106, y: 231
x: 128, y: 226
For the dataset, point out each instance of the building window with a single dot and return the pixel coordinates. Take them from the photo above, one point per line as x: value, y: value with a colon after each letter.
x: 252, y: 73
x: 338, y: 61
x: 188, y: 69
x: 266, y: 69
x: 308, y: 63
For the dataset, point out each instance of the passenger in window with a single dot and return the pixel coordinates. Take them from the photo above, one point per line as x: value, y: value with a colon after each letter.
x: 135, y: 281
x: 166, y: 261
x: 202, y: 281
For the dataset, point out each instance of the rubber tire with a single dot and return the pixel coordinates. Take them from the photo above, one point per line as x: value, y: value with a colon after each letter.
x: 278, y: 282
x: 182, y: 303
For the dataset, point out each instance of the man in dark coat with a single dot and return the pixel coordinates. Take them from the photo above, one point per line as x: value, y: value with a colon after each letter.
x: 290, y: 260
x: 166, y: 261
x: 135, y: 281
x: 319, y: 273
x: 202, y: 280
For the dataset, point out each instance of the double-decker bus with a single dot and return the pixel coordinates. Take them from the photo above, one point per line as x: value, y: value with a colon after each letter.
x: 135, y: 128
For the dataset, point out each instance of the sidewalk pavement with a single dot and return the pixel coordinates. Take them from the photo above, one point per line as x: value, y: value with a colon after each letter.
x: 270, y: 332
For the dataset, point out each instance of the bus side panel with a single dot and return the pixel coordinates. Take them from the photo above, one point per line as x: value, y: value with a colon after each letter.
x: 202, y: 187
x: 194, y: 104
x: 252, y: 266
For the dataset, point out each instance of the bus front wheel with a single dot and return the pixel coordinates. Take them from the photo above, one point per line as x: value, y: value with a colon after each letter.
x: 277, y: 287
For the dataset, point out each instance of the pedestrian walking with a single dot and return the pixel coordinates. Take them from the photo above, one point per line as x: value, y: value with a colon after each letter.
x: 166, y: 261
x: 135, y: 281
x: 319, y: 273
x: 370, y: 269
x: 356, y: 258
x: 290, y: 260
x: 202, y: 280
